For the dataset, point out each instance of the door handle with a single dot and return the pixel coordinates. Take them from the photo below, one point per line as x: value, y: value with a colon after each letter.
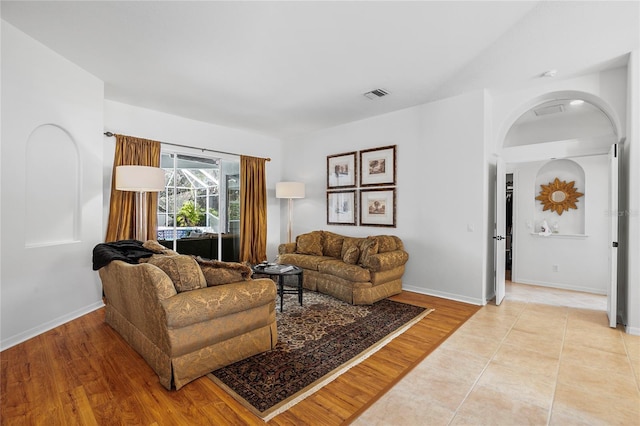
x: 499, y: 237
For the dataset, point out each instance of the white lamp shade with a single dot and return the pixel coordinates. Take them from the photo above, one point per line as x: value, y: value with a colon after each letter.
x: 139, y: 178
x: 289, y: 190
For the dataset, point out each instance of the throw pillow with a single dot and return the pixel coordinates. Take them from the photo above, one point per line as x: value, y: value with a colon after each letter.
x: 386, y: 243
x: 332, y: 245
x: 351, y: 255
x: 368, y: 248
x: 349, y: 242
x: 182, y: 269
x: 217, y: 273
x: 310, y: 243
x: 156, y: 247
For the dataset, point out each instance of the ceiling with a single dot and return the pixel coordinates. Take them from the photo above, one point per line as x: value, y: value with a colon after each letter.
x: 287, y: 68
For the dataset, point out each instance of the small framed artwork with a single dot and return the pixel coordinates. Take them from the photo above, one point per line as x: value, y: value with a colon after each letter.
x: 342, y: 171
x: 378, y: 207
x: 342, y: 207
x: 378, y: 166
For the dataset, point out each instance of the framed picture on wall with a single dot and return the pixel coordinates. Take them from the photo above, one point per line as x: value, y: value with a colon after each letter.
x: 342, y: 208
x: 378, y: 166
x: 378, y: 207
x: 342, y: 171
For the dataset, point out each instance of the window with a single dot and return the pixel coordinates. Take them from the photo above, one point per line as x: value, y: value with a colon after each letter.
x: 198, y: 212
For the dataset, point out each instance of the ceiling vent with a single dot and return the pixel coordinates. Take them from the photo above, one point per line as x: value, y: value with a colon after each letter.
x: 548, y: 110
x: 377, y: 93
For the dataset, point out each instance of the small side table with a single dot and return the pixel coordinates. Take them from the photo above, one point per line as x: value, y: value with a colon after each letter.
x: 271, y: 272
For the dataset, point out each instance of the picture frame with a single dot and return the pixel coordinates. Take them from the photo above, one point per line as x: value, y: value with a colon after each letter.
x: 342, y: 207
x: 378, y: 207
x: 342, y: 170
x: 378, y: 166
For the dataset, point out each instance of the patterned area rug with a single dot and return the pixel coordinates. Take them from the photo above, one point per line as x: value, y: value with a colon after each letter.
x: 316, y: 343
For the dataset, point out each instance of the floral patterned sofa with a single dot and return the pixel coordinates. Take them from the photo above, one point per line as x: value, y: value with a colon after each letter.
x: 360, y: 271
x: 187, y: 317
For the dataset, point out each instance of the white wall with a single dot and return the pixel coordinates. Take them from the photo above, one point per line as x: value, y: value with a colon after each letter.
x: 441, y: 189
x: 140, y: 122
x: 51, y: 105
x: 582, y: 261
x: 609, y: 86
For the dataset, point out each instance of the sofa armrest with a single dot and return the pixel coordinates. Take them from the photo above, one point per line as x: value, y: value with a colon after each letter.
x: 143, y: 281
x: 136, y: 291
x: 287, y: 248
x: 204, y: 304
x: 388, y: 260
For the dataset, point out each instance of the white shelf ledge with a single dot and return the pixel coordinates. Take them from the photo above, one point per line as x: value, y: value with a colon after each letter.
x: 573, y: 236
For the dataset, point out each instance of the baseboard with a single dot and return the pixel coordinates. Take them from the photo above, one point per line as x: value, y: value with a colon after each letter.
x: 632, y: 330
x: 560, y: 286
x: 444, y: 295
x: 33, y: 332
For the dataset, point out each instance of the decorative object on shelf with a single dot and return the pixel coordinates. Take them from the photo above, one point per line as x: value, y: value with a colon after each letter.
x: 378, y: 166
x: 342, y: 171
x: 378, y: 207
x: 559, y: 196
x: 341, y: 207
x: 140, y: 179
x: 290, y: 190
x: 544, y: 229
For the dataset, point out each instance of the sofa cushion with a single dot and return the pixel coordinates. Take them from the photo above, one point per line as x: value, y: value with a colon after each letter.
x: 351, y: 255
x: 368, y: 248
x: 304, y: 261
x: 182, y: 269
x: 216, y: 272
x: 310, y: 243
x: 332, y: 244
x: 338, y: 268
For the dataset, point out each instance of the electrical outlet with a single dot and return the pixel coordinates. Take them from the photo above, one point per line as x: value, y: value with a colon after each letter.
x: 554, y: 268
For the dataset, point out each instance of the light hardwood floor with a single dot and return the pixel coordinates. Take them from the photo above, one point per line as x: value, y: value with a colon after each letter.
x: 83, y: 373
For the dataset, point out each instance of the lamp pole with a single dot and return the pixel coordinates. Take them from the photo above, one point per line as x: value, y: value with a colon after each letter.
x: 290, y: 190
x: 290, y: 225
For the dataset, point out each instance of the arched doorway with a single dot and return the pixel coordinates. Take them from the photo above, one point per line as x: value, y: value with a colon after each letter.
x: 559, y: 125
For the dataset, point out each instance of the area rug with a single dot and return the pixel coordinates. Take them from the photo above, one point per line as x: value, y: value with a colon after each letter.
x: 316, y: 343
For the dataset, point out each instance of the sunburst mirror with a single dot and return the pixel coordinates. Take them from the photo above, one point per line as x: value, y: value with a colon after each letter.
x: 559, y: 196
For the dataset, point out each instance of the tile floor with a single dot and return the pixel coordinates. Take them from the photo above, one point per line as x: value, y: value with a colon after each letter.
x: 543, y: 357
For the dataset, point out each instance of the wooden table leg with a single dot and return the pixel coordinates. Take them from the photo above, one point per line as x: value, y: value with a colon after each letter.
x: 300, y: 290
x: 281, y: 291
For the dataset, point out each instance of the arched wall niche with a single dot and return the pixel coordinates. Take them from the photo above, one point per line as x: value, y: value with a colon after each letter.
x: 52, y: 187
x: 572, y: 221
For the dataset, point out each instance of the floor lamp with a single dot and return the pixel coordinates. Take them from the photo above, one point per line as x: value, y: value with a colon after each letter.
x: 140, y: 179
x: 290, y: 190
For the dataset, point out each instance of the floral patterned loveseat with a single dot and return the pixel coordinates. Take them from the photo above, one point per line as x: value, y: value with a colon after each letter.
x: 186, y: 316
x: 360, y: 271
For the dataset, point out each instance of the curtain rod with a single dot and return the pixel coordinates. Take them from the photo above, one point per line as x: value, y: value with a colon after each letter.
x: 110, y: 134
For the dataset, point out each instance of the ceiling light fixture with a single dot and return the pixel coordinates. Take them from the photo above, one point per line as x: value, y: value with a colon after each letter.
x: 576, y: 102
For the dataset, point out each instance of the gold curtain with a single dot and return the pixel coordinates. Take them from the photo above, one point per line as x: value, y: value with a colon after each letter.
x: 131, y: 151
x: 253, y: 210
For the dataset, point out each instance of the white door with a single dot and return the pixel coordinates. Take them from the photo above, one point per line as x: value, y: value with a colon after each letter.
x: 500, y: 231
x: 612, y: 291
